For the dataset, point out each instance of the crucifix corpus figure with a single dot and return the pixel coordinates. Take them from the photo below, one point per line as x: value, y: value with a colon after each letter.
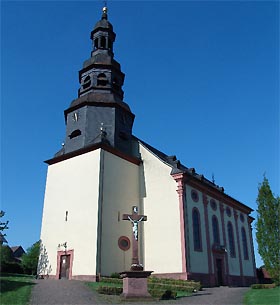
x: 135, y: 219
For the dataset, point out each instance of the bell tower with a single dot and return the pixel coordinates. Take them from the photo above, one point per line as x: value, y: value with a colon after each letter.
x: 99, y: 114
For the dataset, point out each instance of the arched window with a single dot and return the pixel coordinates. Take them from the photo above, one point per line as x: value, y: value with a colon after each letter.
x: 231, y: 239
x: 75, y: 133
x: 96, y: 43
x: 102, y: 80
x: 103, y: 42
x: 196, y: 230
x: 86, y: 82
x: 215, y: 228
x: 244, y: 243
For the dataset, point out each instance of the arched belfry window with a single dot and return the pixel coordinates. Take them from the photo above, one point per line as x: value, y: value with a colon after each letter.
x: 103, y: 42
x: 86, y: 82
x: 197, y: 243
x: 102, y: 80
x: 231, y: 239
x: 75, y: 133
x: 96, y: 43
x: 215, y: 228
x: 244, y: 243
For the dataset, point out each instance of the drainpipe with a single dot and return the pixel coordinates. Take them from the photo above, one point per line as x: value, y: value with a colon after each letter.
x: 99, y: 219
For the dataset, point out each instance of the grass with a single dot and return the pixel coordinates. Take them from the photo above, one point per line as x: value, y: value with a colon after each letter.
x: 262, y: 297
x: 15, y: 289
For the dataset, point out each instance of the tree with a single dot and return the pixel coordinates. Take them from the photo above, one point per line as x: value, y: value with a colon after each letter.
x: 268, y: 231
x: 3, y: 225
x: 6, y: 255
x: 8, y: 263
x: 30, y: 258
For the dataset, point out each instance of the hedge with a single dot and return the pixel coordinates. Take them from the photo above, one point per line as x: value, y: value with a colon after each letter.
x: 263, y: 286
x: 109, y: 290
x: 159, y: 288
x: 163, y: 294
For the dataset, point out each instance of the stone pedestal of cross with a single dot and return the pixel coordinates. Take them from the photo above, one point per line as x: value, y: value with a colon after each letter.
x: 135, y: 219
x: 135, y: 280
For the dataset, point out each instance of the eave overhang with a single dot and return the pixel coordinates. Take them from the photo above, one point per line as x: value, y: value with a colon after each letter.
x: 93, y: 147
x: 202, y: 184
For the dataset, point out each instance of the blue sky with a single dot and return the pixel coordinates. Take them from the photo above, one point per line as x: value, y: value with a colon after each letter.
x: 201, y: 77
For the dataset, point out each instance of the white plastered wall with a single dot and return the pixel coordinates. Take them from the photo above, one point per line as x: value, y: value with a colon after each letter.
x: 120, y: 192
x: 162, y: 251
x: 198, y: 260
x: 72, y: 185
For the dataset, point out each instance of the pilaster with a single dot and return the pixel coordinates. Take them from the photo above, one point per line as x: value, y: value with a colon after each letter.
x: 179, y: 178
x: 209, y: 255
x: 222, y: 213
x: 238, y: 245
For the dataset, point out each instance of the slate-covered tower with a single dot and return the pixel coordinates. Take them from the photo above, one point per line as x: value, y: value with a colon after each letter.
x: 99, y: 113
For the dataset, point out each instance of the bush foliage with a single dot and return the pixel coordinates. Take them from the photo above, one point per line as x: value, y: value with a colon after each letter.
x: 159, y: 288
x: 263, y: 286
x: 268, y: 229
x: 111, y: 290
x: 30, y: 259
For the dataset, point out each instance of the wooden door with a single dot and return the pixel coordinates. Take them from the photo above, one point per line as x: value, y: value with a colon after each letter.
x: 64, y: 267
x: 219, y: 272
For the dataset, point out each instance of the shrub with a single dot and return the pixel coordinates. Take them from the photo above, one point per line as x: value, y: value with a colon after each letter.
x: 263, y: 286
x: 111, y: 280
x: 179, y: 284
x: 169, y: 294
x: 163, y: 294
x: 115, y: 275
x: 11, y: 267
x: 109, y: 290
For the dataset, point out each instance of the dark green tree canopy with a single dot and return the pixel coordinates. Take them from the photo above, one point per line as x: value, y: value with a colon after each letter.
x: 268, y: 231
x: 3, y: 225
x: 30, y: 258
x: 6, y: 254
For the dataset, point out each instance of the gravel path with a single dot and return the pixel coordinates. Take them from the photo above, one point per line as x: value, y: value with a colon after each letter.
x: 63, y: 292
x: 216, y: 296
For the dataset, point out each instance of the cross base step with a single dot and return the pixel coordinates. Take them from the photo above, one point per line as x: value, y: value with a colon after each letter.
x: 135, y: 285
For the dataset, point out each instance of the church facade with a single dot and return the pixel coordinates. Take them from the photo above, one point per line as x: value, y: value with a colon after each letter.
x: 194, y: 230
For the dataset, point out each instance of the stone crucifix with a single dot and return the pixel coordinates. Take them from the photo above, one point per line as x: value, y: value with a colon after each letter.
x: 135, y: 219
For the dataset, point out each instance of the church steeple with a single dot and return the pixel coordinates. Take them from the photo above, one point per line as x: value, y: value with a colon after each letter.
x: 101, y: 73
x: 99, y: 114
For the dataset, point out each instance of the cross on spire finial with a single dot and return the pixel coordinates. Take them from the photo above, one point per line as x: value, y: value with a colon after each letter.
x: 105, y: 9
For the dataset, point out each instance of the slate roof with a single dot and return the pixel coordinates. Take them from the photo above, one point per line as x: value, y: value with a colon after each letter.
x: 177, y: 167
x: 18, y: 251
x: 15, y: 248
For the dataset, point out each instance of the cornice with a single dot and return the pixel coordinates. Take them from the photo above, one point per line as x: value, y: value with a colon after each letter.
x: 216, y: 193
x: 93, y: 147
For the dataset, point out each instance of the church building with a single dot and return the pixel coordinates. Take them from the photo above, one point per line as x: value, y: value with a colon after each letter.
x: 194, y: 230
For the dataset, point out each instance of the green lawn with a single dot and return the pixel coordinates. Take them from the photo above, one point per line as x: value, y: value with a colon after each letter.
x: 15, y: 289
x: 263, y: 297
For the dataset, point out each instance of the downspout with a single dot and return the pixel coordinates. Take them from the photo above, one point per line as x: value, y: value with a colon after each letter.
x: 100, y: 214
